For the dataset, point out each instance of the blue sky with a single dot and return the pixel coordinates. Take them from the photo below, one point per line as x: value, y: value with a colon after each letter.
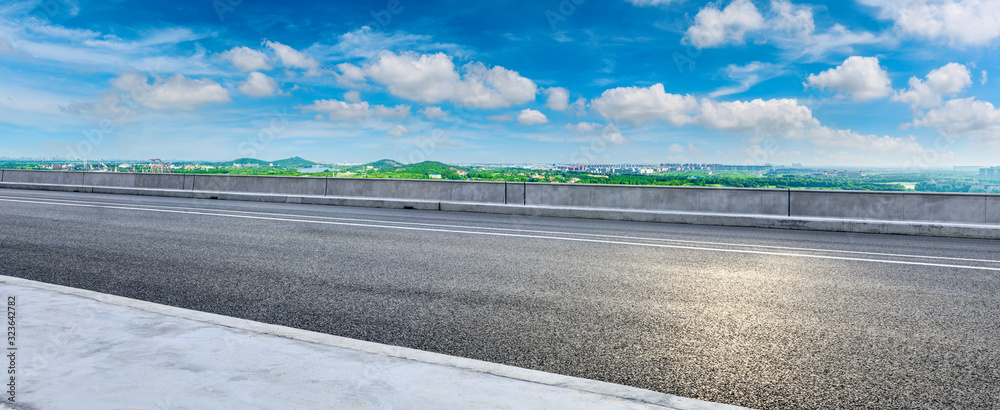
x: 854, y: 83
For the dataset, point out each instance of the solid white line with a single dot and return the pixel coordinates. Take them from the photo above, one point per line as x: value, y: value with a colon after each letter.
x: 520, y: 236
x: 786, y: 248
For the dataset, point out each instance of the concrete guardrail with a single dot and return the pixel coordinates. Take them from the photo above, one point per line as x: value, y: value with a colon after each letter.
x: 779, y: 208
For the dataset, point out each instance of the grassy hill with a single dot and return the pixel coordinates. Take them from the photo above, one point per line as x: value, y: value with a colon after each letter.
x: 386, y: 164
x: 295, y: 162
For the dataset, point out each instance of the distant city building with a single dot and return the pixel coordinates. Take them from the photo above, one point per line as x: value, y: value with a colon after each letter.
x: 993, y: 172
x: 435, y: 176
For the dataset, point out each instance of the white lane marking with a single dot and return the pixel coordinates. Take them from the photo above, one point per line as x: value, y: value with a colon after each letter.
x: 410, y: 228
x: 636, y: 238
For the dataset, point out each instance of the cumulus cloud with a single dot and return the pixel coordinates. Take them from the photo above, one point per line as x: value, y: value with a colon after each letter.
x: 350, y: 75
x: 398, y: 131
x: 427, y: 78
x: 582, y: 127
x: 432, y: 112
x: 642, y: 104
x: 293, y: 58
x: 531, y: 117
x: 343, y: 110
x: 174, y: 93
x: 714, y: 27
x: 493, y: 88
x: 758, y: 118
x: 948, y: 80
x: 258, y: 85
x: 432, y: 78
x: 788, y: 17
x: 962, y: 22
x: 780, y: 117
x: 860, y: 77
x: 963, y: 116
x: 352, y: 96
x: 246, y: 59
x: 557, y: 98
x: 399, y: 111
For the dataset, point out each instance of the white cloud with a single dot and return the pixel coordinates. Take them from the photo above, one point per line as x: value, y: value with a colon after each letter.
x: 582, y: 127
x: 493, y: 88
x: 258, y: 85
x: 343, y: 110
x: 352, y: 96
x: 350, y: 75
x: 638, y: 105
x: 531, y: 117
x: 948, y: 80
x: 748, y: 76
x: 788, y: 17
x: 246, y: 59
x: 613, y: 134
x: 339, y: 110
x: 675, y: 148
x: 648, y: 3
x: 714, y: 27
x: 432, y: 112
x: 962, y: 22
x: 174, y: 93
x: 861, y: 77
x: 293, y: 58
x: 783, y: 117
x: 557, y: 98
x: 500, y: 118
x: 963, y: 116
x: 838, y: 39
x: 427, y: 78
x: 432, y: 78
x: 129, y: 81
x: 399, y: 111
x: 398, y: 131
x: 983, y: 79
x: 579, y: 107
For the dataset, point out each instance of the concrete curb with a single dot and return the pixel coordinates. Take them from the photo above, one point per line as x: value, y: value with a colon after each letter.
x: 954, y: 230
x: 533, y: 376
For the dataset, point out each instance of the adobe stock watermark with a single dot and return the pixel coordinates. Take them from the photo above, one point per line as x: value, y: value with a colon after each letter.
x: 121, y: 107
x: 255, y: 144
x: 565, y: 9
x: 596, y: 145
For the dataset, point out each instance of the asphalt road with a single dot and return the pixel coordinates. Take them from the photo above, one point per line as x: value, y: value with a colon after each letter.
x: 753, y: 317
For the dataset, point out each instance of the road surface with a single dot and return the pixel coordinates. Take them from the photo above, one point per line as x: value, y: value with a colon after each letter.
x: 753, y: 317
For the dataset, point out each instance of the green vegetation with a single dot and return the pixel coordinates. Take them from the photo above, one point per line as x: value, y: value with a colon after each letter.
x: 875, y: 180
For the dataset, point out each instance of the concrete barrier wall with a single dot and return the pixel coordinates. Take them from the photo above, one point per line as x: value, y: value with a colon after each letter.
x: 456, y: 191
x: 660, y: 198
x: 259, y: 184
x: 856, y: 205
x: 895, y: 206
x: 43, y: 177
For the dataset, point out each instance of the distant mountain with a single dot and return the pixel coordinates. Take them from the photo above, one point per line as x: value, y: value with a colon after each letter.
x: 241, y: 161
x: 383, y: 163
x: 295, y: 162
x: 429, y: 167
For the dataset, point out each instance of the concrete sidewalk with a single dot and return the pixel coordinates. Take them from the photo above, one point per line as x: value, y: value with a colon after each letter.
x: 78, y: 349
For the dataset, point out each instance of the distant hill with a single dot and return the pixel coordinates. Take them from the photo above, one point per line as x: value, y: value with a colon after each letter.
x: 429, y: 167
x: 383, y: 163
x: 241, y: 161
x: 293, y: 162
